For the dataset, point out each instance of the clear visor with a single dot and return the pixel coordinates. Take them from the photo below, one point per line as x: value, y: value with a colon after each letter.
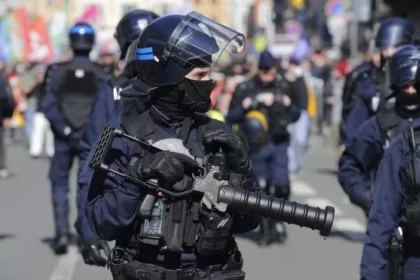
x: 406, y: 73
x: 198, y: 41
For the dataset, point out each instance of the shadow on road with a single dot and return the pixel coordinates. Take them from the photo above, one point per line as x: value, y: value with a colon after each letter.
x: 254, y: 236
x: 327, y: 171
x: 354, y: 236
x: 73, y: 240
x: 4, y: 236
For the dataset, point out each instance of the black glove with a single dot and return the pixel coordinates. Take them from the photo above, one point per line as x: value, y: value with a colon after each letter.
x: 91, y: 251
x: 167, y: 167
x: 233, y: 147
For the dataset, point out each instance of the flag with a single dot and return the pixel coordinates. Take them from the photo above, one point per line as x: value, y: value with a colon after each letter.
x: 19, y: 34
x: 41, y: 49
x: 90, y: 15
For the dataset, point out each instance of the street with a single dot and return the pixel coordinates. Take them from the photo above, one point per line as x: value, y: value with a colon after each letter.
x: 27, y: 223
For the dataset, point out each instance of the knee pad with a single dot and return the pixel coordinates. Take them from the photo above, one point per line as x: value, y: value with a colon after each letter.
x: 282, y: 192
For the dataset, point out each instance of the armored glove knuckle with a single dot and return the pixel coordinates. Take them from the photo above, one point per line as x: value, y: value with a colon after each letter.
x: 164, y: 166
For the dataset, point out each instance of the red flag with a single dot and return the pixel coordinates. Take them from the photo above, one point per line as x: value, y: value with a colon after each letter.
x: 22, y: 28
x: 40, y: 44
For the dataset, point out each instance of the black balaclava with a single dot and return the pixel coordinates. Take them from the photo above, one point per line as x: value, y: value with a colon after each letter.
x: 187, y: 98
x: 407, y: 105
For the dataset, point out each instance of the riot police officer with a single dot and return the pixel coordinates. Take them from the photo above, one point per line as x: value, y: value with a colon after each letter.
x: 358, y: 163
x: 395, y: 209
x: 372, y: 90
x: 71, y: 91
x: 105, y: 110
x: 174, y: 56
x: 264, y: 115
x: 360, y: 71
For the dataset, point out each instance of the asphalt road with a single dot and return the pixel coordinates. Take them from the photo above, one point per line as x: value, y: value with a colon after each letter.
x: 26, y: 224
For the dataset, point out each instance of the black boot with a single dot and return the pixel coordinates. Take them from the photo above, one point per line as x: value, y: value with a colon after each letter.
x: 60, y: 242
x: 268, y: 231
x: 281, y: 236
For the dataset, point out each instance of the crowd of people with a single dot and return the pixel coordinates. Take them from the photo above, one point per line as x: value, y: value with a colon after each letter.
x: 319, y: 83
x: 249, y: 120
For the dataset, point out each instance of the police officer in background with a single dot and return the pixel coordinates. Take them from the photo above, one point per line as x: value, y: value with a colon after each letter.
x: 106, y: 110
x: 7, y: 107
x: 71, y: 91
x: 263, y: 115
x: 396, y: 207
x: 360, y: 71
x: 372, y: 90
x: 359, y: 161
x: 175, y: 55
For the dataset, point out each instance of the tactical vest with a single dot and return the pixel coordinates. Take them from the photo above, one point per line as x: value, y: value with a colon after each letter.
x: 78, y: 86
x: 178, y: 225
x: 411, y: 203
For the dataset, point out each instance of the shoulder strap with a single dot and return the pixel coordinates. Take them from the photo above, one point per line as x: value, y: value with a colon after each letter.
x: 411, y: 135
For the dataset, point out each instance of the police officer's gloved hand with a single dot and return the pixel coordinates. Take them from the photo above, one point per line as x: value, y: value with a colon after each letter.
x: 167, y: 167
x: 233, y: 148
x: 95, y: 251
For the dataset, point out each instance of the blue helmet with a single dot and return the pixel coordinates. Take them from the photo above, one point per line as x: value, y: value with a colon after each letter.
x: 394, y: 32
x: 82, y: 37
x: 403, y: 65
x: 131, y: 26
x: 171, y: 46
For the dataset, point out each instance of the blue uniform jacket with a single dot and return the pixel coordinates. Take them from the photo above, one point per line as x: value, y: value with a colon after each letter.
x: 113, y: 202
x: 104, y: 112
x: 360, y: 159
x: 384, y: 216
x: 361, y: 110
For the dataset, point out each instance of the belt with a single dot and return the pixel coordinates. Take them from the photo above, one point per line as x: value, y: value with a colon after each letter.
x: 142, y: 271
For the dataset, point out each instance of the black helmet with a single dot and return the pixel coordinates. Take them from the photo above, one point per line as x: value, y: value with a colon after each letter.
x: 82, y: 37
x: 131, y: 26
x: 394, y: 32
x: 403, y: 65
x: 171, y: 46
